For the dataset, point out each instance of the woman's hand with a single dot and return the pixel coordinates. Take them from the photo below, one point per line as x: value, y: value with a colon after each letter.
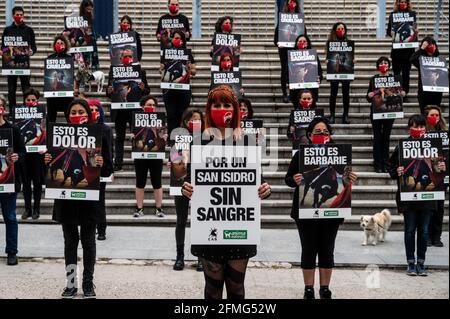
x: 403, y: 93
x: 442, y: 167
x: 12, y: 158
x: 109, y: 90
x: 264, y: 191
x: 47, y: 158
x: 400, y: 170
x: 424, y: 45
x: 371, y: 95
x: 169, y: 164
x: 187, y: 189
x: 298, y: 179
x: 142, y: 86
x: 99, y: 160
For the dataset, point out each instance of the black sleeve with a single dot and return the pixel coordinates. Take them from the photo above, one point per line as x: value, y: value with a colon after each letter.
x: 191, y: 58
x: 188, y: 28
x: 146, y: 90
x: 110, y: 80
x: 275, y: 36
x: 159, y: 28
x: 319, y: 69
x: 107, y: 168
x: 389, y: 26
x: 291, y: 123
x: 294, y: 168
x: 3, y: 35
x: 139, y: 46
x: 415, y: 58
x: 32, y: 41
x: 212, y: 44
x: 394, y: 164
x: 370, y: 89
x: 18, y: 143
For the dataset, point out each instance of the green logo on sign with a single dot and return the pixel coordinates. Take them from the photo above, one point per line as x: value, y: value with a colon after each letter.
x: 427, y: 196
x: 150, y: 156
x: 62, y: 94
x: 234, y: 234
x: 32, y: 149
x: 78, y: 194
x: 331, y: 213
x: 129, y: 105
x: 391, y: 115
x: 2, y: 188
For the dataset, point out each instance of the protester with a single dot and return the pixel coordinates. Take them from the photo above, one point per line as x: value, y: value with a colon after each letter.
x: 171, y: 21
x: 305, y: 101
x: 416, y: 214
x: 317, y: 236
x: 126, y: 25
x: 8, y: 200
x: 18, y: 29
x: 83, y: 213
x: 224, y: 264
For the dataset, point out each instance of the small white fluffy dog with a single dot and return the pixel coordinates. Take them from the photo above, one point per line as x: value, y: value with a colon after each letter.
x: 98, y: 78
x: 376, y: 226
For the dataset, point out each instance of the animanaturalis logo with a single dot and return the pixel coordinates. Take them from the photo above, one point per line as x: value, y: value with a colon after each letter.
x: 78, y: 194
x: 234, y: 234
x: 331, y: 213
x: 427, y: 196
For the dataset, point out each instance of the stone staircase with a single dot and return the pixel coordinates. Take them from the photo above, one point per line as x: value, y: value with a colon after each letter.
x: 261, y: 76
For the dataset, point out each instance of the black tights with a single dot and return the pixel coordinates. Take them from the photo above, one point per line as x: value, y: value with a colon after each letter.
x: 231, y: 273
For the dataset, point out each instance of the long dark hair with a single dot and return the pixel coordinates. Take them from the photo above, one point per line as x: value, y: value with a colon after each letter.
x: 220, y: 21
x: 187, y: 114
x: 83, y: 5
x: 307, y: 39
x: 63, y: 39
x: 182, y: 36
x: 332, y: 36
x: 249, y: 106
x: 84, y: 104
x: 286, y: 8
x: 431, y: 40
x: 128, y: 18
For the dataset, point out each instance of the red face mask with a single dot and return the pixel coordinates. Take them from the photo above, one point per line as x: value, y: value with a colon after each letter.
x: 320, y: 139
x: 95, y: 116
x: 433, y: 120
x: 173, y: 9
x: 403, y: 6
x: 383, y: 68
x: 292, y: 5
x: 59, y: 47
x: 149, y: 109
x: 33, y: 103
x: 125, y: 27
x: 222, y: 118
x: 302, y: 45
x: 226, y: 27
x: 18, y: 19
x: 79, y: 119
x: 2, y: 110
x: 177, y: 43
x: 194, y: 126
x: 225, y: 65
x: 305, y: 104
x: 431, y: 49
x: 127, y: 60
x: 417, y: 132
x: 340, y: 33
x: 244, y: 115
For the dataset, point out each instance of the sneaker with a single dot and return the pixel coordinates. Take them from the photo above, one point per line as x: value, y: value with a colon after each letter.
x: 12, y: 260
x: 421, y: 270
x: 411, y: 270
x: 138, y: 212
x: 309, y: 293
x: 69, y: 293
x: 27, y: 213
x: 88, y: 290
x: 179, y: 263
x: 285, y: 98
x: 429, y: 243
x: 117, y: 167
x: 438, y: 243
x: 36, y: 214
x: 199, y: 266
x: 159, y: 213
x: 101, y: 236
x: 325, y: 293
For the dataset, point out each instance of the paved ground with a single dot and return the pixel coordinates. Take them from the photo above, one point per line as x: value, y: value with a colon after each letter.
x: 45, y: 279
x: 158, y: 243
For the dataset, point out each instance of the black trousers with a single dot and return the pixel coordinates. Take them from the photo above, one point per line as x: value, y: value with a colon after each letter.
x: 317, y: 238
x: 428, y: 98
x: 176, y: 102
x: 55, y: 105
x: 122, y: 118
x: 381, y: 136
x: 437, y: 219
x: 12, y: 87
x: 402, y: 67
x: 283, y: 54
x: 182, y: 208
x: 101, y: 226
x: 334, y: 85
x: 33, y: 173
x: 71, y: 239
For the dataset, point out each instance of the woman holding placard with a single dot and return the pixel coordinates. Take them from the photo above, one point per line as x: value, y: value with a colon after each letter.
x: 317, y: 236
x: 224, y: 264
x: 83, y: 213
x: 126, y: 25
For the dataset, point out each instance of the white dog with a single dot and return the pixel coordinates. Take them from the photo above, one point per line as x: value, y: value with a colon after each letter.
x: 98, y: 78
x: 376, y: 226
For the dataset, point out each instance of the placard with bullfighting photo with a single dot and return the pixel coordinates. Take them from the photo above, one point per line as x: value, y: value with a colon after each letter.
x: 118, y: 42
x: 434, y: 74
x: 290, y: 26
x: 126, y: 81
x: 226, y: 52
x: 404, y: 26
x: 422, y: 178
x: 223, y: 209
x: 81, y: 38
x: 72, y: 172
x: 58, y: 77
x: 6, y: 167
x: 325, y: 190
x: 443, y: 135
x: 303, y: 69
x: 15, y: 55
x: 387, y: 102
x: 149, y: 135
x: 176, y: 74
x: 232, y: 79
x: 31, y: 122
x: 341, y: 60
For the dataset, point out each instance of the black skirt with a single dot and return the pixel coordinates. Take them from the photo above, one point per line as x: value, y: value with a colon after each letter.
x: 223, y: 253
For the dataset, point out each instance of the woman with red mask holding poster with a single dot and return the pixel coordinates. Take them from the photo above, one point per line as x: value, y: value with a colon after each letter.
x: 126, y: 25
x: 224, y: 264
x: 83, y: 213
x: 317, y: 236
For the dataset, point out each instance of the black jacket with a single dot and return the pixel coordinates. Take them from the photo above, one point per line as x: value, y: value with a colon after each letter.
x: 24, y: 31
x: 80, y: 212
x: 19, y: 148
x: 415, y: 61
x: 398, y: 54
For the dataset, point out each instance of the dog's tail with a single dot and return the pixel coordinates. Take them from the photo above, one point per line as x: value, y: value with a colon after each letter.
x: 386, y: 212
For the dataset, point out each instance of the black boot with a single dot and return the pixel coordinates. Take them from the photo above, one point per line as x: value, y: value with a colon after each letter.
x: 36, y: 213
x: 27, y: 213
x: 88, y: 290
x: 325, y: 293
x: 179, y: 263
x: 199, y: 266
x: 345, y: 119
x: 331, y: 119
x: 309, y: 293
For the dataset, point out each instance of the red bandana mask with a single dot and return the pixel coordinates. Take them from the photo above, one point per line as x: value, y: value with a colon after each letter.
x: 222, y: 118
